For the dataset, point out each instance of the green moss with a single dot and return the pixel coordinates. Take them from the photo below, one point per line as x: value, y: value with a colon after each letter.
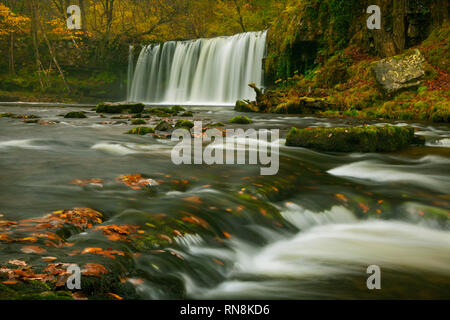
x: 177, y: 109
x: 141, y: 131
x: 161, y: 112
x: 241, y: 120
x: 242, y: 106
x: 138, y: 122
x: 7, y: 115
x: 353, y: 139
x: 75, y: 115
x: 115, y: 108
x: 184, y: 124
x: 187, y: 114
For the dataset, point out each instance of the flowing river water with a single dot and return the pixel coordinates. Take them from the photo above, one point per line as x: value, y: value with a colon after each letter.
x: 309, y: 232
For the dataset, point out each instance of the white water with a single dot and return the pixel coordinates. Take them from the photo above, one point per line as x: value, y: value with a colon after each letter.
x: 213, y: 71
x: 331, y: 244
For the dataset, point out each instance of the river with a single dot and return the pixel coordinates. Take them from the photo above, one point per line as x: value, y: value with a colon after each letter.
x: 337, y: 213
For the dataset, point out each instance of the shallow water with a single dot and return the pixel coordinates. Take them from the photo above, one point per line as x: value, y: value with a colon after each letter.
x: 339, y: 213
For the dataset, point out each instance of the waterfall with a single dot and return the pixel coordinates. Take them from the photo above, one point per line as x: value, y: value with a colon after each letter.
x: 130, y: 70
x: 213, y: 71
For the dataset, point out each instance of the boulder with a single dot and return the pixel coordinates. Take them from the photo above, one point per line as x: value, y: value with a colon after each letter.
x: 302, y: 105
x: 241, y: 120
x: 120, y: 107
x: 184, y: 124
x: 141, y: 131
x: 138, y: 122
x: 242, y: 106
x: 75, y: 115
x: 163, y: 126
x: 354, y: 139
x: 399, y: 72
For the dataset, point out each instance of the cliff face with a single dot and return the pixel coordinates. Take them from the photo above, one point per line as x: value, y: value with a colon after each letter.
x: 308, y: 32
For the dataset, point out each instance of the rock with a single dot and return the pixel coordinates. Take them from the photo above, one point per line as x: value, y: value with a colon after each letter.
x: 212, y: 125
x: 163, y: 126
x: 187, y: 114
x: 354, y: 139
x: 161, y: 112
x: 75, y: 115
x: 400, y: 72
x: 138, y: 122
x: 141, y: 131
x: 177, y: 109
x: 7, y: 115
x: 184, y: 124
x: 120, y: 107
x: 301, y: 106
x: 242, y: 106
x: 241, y: 120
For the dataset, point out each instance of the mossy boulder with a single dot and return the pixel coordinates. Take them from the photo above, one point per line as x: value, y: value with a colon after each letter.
x: 75, y: 115
x: 184, y: 124
x: 400, y: 72
x: 187, y: 114
x: 242, y: 106
x: 302, y: 105
x: 141, y: 131
x: 161, y: 112
x: 163, y: 126
x: 241, y: 120
x: 138, y: 121
x: 177, y: 109
x: 120, y: 107
x: 7, y: 115
x: 354, y: 139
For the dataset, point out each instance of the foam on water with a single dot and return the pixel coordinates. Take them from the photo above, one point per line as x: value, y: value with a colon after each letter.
x: 414, y: 173
x: 21, y: 144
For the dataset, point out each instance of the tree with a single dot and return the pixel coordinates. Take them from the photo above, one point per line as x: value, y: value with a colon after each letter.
x: 10, y: 26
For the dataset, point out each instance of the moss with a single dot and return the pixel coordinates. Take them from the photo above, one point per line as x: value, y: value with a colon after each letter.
x: 75, y: 115
x: 161, y: 112
x: 7, y: 115
x: 241, y: 120
x: 138, y: 122
x: 218, y: 124
x: 187, y: 114
x: 177, y: 109
x: 353, y: 139
x: 242, y: 106
x: 141, y: 131
x: 184, y: 124
x: 115, y: 108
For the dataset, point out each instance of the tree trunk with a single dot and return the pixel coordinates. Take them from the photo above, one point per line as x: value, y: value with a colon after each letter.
x: 12, y: 70
x: 399, y: 27
x: 241, y: 21
x: 439, y: 12
x: 50, y: 49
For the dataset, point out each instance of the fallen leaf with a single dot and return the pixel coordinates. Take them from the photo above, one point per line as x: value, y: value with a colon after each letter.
x: 33, y: 249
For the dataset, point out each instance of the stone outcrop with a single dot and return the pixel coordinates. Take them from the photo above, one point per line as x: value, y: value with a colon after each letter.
x: 399, y: 72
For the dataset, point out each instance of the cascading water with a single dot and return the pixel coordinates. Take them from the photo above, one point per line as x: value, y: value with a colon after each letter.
x: 213, y: 71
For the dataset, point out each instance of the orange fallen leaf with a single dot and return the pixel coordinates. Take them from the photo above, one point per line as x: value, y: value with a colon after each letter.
x: 17, y: 262
x: 341, y: 197
x: 9, y: 282
x: 193, y: 199
x: 115, y: 296
x: 33, y: 249
x: 363, y: 207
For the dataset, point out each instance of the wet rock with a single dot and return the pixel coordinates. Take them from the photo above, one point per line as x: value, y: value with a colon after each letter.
x: 354, y: 139
x: 302, y: 105
x: 400, y: 72
x: 7, y: 115
x: 138, y: 122
x: 141, y: 131
x: 177, y: 109
x: 241, y: 120
x: 184, y: 124
x: 163, y: 126
x: 242, y: 106
x: 161, y: 112
x: 75, y: 115
x: 187, y: 114
x: 120, y: 107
